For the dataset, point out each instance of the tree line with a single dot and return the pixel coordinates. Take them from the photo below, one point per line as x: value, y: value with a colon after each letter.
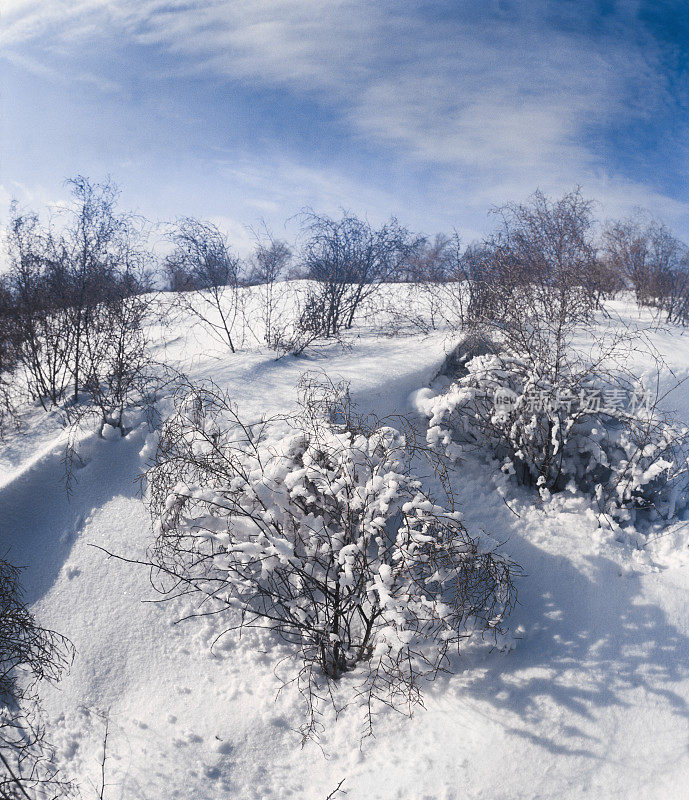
x: 79, y: 286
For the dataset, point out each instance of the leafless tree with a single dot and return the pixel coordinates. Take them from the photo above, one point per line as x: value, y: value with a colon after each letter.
x: 347, y: 259
x: 539, y: 263
x: 206, y: 274
x: 269, y: 263
x: 653, y: 262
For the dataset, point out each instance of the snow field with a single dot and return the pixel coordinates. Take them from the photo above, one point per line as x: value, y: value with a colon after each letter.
x: 587, y: 697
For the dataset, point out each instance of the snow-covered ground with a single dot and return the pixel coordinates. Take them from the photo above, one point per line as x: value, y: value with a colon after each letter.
x: 590, y: 698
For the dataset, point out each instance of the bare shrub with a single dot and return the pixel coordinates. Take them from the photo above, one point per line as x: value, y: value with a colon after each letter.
x: 347, y: 259
x: 119, y: 372
x: 294, y: 338
x: 61, y: 279
x: 206, y: 274
x: 101, y: 251
x: 28, y: 654
x: 8, y: 357
x: 542, y: 261
x: 41, y: 321
x: 269, y: 263
x: 675, y: 295
x: 312, y: 525
x: 653, y: 262
x: 427, y: 261
x: 442, y: 294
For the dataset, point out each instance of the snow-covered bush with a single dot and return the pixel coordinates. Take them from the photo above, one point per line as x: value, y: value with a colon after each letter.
x: 547, y: 384
x: 313, y: 525
x: 577, y: 422
x: 28, y: 653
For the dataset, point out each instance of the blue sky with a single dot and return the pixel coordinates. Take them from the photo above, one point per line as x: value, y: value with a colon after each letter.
x: 434, y: 111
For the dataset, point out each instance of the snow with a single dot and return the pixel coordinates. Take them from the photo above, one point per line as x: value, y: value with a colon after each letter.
x: 588, y: 695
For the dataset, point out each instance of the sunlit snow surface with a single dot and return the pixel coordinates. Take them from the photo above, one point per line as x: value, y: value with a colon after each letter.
x: 588, y: 696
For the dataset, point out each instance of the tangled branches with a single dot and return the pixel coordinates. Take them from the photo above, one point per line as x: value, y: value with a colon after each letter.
x: 28, y: 654
x: 554, y: 417
x: 314, y: 526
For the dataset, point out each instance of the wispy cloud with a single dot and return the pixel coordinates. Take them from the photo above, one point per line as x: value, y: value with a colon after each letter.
x: 496, y: 97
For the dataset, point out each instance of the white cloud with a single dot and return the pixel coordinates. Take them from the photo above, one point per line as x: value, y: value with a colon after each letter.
x: 276, y: 191
x: 494, y: 94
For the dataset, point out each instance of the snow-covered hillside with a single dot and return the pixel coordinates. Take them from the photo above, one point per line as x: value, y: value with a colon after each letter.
x: 588, y: 696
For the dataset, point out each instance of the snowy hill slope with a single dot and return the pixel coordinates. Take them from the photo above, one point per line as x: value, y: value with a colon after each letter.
x: 589, y: 698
